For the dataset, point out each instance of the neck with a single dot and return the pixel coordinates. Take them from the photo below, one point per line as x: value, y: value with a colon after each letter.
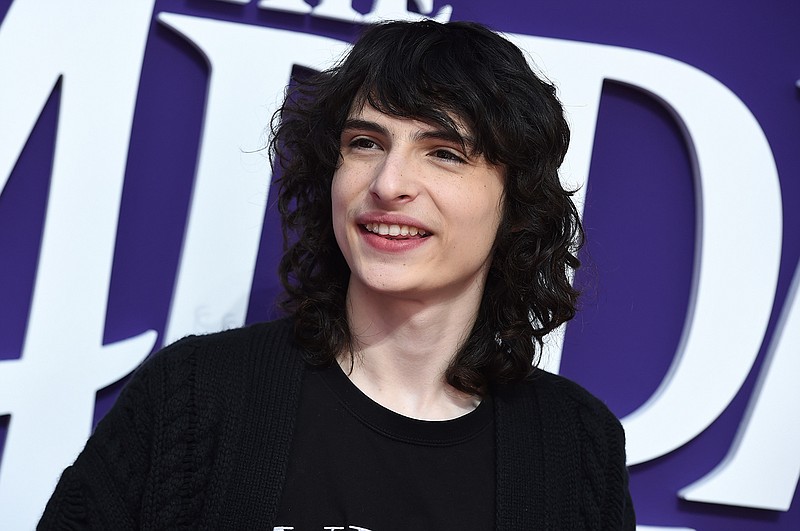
x: 403, y: 347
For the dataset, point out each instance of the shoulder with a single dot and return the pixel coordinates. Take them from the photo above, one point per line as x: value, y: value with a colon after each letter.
x: 272, y: 335
x: 556, y: 388
x: 553, y: 392
x: 220, y: 368
x: 561, y: 411
x: 228, y: 348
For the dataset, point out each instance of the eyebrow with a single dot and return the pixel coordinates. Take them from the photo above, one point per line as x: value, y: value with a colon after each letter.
x: 437, y: 134
x: 365, y: 125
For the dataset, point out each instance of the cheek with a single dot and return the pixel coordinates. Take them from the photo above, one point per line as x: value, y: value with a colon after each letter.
x: 495, y: 192
x: 348, y: 188
x: 343, y: 197
x: 338, y: 208
x: 343, y: 187
x: 480, y: 206
x: 486, y: 217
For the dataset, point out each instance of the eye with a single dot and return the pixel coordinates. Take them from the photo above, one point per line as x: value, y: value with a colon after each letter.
x: 446, y: 154
x: 361, y: 142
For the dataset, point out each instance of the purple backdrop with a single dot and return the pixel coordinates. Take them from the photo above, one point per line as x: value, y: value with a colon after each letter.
x: 640, y: 252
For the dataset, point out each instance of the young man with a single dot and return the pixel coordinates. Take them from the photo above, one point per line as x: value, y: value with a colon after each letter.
x: 429, y: 244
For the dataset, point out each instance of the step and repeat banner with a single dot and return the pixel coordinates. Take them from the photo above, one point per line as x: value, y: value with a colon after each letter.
x: 135, y: 208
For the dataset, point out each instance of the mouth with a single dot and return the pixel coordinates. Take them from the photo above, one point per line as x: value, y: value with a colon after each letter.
x: 394, y: 231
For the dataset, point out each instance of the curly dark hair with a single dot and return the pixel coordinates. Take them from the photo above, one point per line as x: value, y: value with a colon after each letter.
x: 443, y: 74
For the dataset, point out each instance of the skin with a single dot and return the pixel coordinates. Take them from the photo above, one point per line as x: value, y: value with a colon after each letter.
x: 412, y: 298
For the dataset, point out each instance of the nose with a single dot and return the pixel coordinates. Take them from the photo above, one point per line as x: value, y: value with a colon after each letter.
x: 395, y: 179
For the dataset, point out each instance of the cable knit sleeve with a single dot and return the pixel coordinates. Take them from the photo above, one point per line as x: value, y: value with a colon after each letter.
x: 618, y: 512
x: 198, y: 439
x: 602, y: 458
x: 561, y: 459
x: 628, y: 513
x: 104, y: 488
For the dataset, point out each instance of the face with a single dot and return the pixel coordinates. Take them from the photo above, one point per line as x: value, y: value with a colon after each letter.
x: 413, y: 213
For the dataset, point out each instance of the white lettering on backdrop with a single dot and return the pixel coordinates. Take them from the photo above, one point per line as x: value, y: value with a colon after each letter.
x: 762, y: 468
x: 343, y: 10
x: 73, y: 272
x: 96, y: 47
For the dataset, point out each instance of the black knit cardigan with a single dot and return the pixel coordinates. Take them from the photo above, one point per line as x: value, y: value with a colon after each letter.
x: 200, y: 439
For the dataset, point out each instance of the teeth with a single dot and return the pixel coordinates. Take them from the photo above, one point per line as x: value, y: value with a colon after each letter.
x: 394, y: 230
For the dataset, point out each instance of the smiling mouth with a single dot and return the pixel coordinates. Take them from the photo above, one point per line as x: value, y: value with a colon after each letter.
x: 395, y: 231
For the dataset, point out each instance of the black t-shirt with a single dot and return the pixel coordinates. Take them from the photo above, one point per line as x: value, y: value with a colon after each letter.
x: 356, y: 465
